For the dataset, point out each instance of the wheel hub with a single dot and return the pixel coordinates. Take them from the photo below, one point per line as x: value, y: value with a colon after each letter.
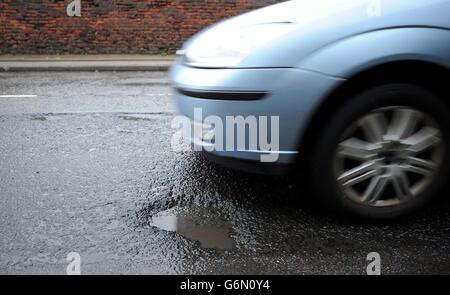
x: 392, y: 152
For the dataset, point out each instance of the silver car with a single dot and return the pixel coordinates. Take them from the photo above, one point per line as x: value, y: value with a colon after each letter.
x: 360, y: 90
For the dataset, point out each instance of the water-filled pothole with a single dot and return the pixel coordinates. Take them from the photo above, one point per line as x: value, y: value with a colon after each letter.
x: 201, y: 224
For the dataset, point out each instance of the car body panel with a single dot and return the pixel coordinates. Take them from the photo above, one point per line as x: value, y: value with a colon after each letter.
x: 324, y: 22
x: 381, y: 47
x: 293, y: 96
x: 332, y: 40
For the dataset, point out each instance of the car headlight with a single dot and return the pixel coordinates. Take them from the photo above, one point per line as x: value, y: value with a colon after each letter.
x: 223, y: 48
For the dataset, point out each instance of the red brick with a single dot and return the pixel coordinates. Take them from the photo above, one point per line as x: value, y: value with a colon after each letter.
x: 110, y: 26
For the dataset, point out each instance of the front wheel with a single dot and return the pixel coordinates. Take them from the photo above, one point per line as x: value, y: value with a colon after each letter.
x: 384, y: 153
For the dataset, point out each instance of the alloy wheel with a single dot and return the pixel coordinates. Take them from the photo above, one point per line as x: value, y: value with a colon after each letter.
x: 389, y: 156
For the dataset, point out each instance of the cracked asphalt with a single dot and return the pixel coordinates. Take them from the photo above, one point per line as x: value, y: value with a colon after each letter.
x: 86, y: 166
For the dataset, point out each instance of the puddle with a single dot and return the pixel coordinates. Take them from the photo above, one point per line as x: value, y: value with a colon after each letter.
x: 200, y: 224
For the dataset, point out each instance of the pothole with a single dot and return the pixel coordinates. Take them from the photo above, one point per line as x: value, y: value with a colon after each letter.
x: 201, y: 224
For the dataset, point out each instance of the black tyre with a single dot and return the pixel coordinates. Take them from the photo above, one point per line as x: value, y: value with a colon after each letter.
x: 384, y: 153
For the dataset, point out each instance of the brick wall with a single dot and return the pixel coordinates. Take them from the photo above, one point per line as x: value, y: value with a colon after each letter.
x: 109, y: 26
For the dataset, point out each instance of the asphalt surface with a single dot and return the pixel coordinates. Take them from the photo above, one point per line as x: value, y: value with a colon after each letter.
x: 86, y: 166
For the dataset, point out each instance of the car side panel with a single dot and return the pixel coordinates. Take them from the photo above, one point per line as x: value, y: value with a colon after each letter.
x: 355, y: 54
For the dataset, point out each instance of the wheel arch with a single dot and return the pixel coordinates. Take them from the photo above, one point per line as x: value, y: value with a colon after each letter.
x: 431, y: 76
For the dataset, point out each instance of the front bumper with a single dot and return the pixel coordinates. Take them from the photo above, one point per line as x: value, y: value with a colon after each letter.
x: 289, y: 93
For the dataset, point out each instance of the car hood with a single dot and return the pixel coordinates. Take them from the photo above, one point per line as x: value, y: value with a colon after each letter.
x: 312, y: 13
x: 302, y: 12
x: 321, y: 22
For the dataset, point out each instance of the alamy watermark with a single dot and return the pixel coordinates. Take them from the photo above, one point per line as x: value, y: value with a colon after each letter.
x: 374, y: 8
x: 74, y: 8
x: 374, y: 266
x: 233, y: 133
x: 74, y: 266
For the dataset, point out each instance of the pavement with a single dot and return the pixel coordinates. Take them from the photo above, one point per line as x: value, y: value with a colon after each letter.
x: 99, y: 62
x: 87, y: 167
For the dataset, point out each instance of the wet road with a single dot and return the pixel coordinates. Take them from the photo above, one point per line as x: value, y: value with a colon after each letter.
x: 86, y: 166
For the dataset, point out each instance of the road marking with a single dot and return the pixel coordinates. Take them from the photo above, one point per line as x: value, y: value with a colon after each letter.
x: 17, y: 96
